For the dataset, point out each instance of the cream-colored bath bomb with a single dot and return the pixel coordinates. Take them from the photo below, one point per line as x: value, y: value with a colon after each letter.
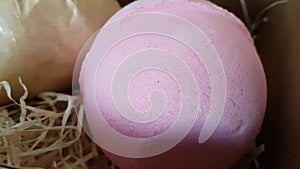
x: 41, y: 39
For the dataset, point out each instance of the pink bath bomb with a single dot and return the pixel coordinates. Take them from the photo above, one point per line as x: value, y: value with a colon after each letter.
x: 173, y: 84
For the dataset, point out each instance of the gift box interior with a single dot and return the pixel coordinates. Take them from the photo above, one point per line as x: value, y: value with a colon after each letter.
x: 277, y: 39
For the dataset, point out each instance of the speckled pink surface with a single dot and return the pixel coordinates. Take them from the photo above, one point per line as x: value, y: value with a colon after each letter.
x: 245, y: 88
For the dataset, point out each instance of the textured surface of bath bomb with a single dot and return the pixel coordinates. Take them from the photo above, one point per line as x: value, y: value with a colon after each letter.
x: 173, y: 84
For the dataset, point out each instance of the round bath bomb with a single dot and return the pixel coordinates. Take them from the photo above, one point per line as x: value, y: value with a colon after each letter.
x: 173, y: 84
x: 41, y: 39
